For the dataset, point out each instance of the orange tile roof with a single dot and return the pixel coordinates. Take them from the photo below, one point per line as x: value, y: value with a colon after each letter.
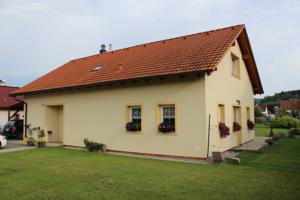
x: 192, y: 53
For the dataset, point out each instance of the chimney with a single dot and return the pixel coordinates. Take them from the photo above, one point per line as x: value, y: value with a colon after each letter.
x: 2, y: 82
x: 102, y: 50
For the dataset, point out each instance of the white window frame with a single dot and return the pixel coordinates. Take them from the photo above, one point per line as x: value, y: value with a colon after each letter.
x: 235, y: 68
x: 130, y: 113
x: 162, y: 107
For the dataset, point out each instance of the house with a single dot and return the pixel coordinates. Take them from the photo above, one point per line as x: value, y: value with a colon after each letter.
x: 163, y: 98
x: 291, y: 106
x: 10, y: 108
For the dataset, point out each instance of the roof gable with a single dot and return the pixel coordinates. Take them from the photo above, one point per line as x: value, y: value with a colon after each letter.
x: 199, y: 52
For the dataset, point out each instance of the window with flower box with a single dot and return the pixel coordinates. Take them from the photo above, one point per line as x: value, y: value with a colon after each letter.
x: 167, y: 121
x: 134, y: 118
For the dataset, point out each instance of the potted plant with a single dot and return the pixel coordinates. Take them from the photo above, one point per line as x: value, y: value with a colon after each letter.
x: 41, y: 141
x: 166, y: 127
x: 224, y: 130
x: 236, y: 127
x: 250, y: 124
x: 29, y: 139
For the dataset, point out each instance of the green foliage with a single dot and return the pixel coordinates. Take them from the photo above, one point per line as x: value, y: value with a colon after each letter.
x: 284, y: 95
x: 93, y: 146
x: 293, y: 132
x: 41, y: 133
x: 257, y: 113
x: 285, y: 122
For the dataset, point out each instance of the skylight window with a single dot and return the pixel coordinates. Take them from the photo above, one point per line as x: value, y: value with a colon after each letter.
x: 95, y: 69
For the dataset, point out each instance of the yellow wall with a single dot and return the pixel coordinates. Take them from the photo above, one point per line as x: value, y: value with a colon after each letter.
x: 99, y: 115
x: 223, y: 88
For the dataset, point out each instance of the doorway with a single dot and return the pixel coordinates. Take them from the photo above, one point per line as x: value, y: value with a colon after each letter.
x: 54, y: 123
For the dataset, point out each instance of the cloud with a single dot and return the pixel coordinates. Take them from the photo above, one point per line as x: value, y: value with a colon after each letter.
x: 38, y: 36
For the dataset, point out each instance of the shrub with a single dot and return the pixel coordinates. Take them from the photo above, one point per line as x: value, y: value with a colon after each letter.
x: 275, y: 137
x: 293, y: 132
x: 284, y: 122
x: 166, y: 127
x: 131, y: 126
x: 250, y: 124
x: 93, y: 146
x: 281, y: 134
x: 236, y: 127
x: 269, y: 141
x: 224, y: 130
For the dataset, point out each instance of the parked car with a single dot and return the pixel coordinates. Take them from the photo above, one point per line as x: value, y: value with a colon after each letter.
x: 13, y: 129
x: 3, y: 141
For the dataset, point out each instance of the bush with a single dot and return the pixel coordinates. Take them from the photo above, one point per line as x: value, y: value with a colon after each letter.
x: 284, y: 122
x: 269, y: 141
x: 281, y: 134
x: 93, y: 146
x: 293, y: 132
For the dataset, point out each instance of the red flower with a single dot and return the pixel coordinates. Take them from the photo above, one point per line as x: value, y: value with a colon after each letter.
x: 236, y: 126
x: 250, y: 124
x: 224, y: 130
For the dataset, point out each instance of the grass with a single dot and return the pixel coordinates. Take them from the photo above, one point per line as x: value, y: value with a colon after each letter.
x: 62, y: 174
x: 263, y: 130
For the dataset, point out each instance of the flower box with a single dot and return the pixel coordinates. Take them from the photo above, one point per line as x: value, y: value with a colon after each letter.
x: 165, y: 127
x: 250, y: 124
x: 131, y: 126
x: 224, y: 130
x: 236, y: 127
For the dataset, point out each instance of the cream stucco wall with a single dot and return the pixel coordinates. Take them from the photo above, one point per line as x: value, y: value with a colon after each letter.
x: 223, y: 88
x: 100, y: 115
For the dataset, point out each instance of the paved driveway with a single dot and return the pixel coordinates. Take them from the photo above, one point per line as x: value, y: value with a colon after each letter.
x: 15, y: 145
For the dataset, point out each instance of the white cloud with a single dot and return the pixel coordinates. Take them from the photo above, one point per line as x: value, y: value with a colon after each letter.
x: 37, y: 36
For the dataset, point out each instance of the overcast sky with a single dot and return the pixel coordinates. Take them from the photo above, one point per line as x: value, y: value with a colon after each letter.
x: 37, y: 36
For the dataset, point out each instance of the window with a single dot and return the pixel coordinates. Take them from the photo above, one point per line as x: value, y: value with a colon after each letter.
x: 167, y: 121
x: 135, y: 114
x: 134, y: 118
x: 235, y: 114
x: 221, y: 113
x: 235, y: 65
x: 248, y: 113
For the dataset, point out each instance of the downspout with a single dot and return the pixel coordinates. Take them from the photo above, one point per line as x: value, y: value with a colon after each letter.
x: 208, y: 138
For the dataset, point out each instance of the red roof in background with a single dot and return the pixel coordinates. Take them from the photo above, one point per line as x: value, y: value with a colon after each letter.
x: 5, y: 100
x: 192, y: 53
x: 292, y: 104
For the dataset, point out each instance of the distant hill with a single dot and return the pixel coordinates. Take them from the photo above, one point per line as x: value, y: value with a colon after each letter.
x: 284, y: 95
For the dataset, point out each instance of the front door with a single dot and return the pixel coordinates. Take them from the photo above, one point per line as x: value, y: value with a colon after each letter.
x: 54, y: 123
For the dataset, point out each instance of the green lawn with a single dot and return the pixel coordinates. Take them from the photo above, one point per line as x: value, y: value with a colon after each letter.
x: 55, y: 173
x: 263, y: 130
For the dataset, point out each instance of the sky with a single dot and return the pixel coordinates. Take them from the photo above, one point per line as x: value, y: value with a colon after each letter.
x: 37, y: 36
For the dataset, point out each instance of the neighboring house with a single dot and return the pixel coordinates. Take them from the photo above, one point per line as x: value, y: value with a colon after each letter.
x: 263, y: 108
x: 184, y: 85
x: 10, y: 108
x: 291, y: 106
